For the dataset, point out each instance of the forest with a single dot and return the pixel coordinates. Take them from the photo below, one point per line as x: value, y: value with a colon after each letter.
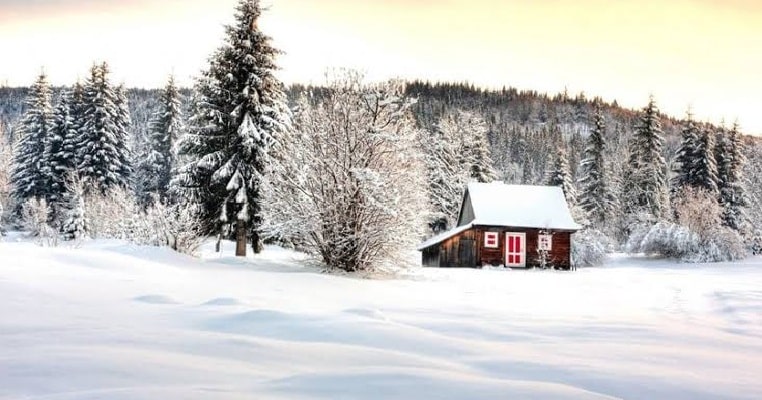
x: 355, y: 172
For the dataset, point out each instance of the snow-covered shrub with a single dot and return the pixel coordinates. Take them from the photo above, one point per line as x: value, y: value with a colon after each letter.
x: 589, y: 248
x: 722, y: 244
x: 669, y: 240
x: 674, y: 241
x: 698, y: 210
x: 35, y: 214
x: 111, y: 215
x: 754, y: 242
x: 173, y: 227
x: 349, y: 180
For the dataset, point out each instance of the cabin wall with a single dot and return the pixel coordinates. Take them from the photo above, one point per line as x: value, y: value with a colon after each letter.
x: 459, y: 251
x: 559, y: 256
x: 466, y: 250
x: 430, y: 257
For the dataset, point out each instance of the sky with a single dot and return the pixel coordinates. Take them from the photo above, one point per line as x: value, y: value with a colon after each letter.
x: 702, y: 54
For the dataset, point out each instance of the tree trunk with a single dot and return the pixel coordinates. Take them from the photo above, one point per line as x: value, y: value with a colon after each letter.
x: 218, y: 245
x: 240, y: 242
x: 256, y: 242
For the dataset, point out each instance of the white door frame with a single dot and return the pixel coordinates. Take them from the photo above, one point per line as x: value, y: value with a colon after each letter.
x: 521, y: 254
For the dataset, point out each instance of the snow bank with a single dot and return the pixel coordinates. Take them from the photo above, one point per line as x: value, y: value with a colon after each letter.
x: 116, y: 321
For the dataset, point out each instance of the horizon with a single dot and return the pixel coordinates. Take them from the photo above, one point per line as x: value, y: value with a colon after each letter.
x: 697, y: 54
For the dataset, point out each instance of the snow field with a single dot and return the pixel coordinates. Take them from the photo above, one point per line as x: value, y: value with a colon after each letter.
x: 117, y: 321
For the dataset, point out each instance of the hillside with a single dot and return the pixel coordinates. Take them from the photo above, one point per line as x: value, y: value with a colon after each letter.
x: 116, y: 321
x: 525, y: 127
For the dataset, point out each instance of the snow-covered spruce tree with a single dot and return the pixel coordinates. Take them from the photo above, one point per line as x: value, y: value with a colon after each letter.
x: 77, y: 112
x: 730, y: 165
x: 686, y: 155
x: 28, y: 177
x: 645, y: 191
x: 475, y: 148
x: 166, y: 128
x: 456, y: 152
x: 75, y: 226
x: 596, y: 196
x: 350, y: 186
x: 704, y: 166
x: 60, y: 152
x: 560, y: 175
x: 103, y: 148
x: 242, y: 113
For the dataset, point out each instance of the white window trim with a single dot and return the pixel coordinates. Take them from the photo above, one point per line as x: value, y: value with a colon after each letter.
x: 497, y: 238
x: 549, y: 242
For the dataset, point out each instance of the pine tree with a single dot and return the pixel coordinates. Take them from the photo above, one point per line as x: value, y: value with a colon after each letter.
x: 705, y: 166
x: 75, y: 224
x: 27, y: 177
x: 730, y: 162
x: 686, y: 155
x: 103, y: 147
x: 447, y: 179
x: 242, y: 112
x: 695, y: 164
x: 596, y: 197
x: 60, y: 150
x: 166, y: 127
x: 645, y: 181
x: 475, y: 146
x: 560, y: 175
x: 77, y: 111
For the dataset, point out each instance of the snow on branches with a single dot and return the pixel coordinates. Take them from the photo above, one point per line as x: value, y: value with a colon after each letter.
x: 349, y: 185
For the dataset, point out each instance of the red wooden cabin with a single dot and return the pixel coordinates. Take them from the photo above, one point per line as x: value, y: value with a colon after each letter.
x: 516, y: 226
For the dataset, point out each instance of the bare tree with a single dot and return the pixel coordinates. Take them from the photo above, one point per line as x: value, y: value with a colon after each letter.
x: 349, y: 185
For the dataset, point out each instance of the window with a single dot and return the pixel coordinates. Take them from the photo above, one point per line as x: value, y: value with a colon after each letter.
x: 545, y: 242
x: 490, y: 240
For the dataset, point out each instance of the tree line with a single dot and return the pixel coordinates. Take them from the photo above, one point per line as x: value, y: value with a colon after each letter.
x: 355, y: 173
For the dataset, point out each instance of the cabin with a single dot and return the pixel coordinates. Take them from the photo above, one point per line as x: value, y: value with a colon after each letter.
x: 515, y: 226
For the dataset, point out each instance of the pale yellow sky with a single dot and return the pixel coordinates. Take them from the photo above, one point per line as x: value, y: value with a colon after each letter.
x: 706, y: 54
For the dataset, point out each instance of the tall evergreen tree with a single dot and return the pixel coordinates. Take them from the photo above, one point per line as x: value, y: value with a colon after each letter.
x: 60, y: 151
x: 103, y: 146
x: 705, y: 166
x: 166, y: 126
x: 645, y: 182
x: 77, y: 111
x: 28, y: 176
x: 560, y: 175
x: 686, y: 155
x: 242, y: 113
x: 730, y: 163
x: 695, y: 164
x: 596, y: 196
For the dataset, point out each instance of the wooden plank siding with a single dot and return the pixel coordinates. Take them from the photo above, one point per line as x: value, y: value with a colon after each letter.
x: 450, y: 252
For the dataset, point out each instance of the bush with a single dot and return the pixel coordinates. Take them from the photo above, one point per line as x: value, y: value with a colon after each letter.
x: 34, y: 219
x: 589, y: 248
x: 116, y: 215
x: 754, y: 242
x: 674, y: 241
x: 172, y: 227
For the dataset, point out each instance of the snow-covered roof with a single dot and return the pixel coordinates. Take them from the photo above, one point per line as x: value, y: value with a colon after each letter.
x: 521, y: 206
x: 444, y: 236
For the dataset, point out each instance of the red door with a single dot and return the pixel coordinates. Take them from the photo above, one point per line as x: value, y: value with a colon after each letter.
x: 515, y: 249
